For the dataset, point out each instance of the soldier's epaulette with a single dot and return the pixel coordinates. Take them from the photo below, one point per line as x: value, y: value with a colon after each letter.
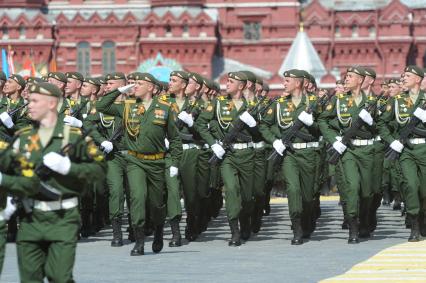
x: 371, y: 98
x: 3, y: 145
x: 281, y: 99
x: 164, y: 97
x: 23, y: 130
x: 130, y: 101
x: 312, y: 98
x: 75, y: 130
x: 222, y: 97
x: 398, y: 96
x: 164, y: 102
x: 340, y: 95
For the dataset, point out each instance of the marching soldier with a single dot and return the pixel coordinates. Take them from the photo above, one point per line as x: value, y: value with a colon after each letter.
x: 47, y: 237
x: 253, y: 86
x: 376, y: 185
x: 299, y: 165
x: 356, y: 159
x: 109, y: 127
x: 399, y: 111
x: 148, y: 121
x: 237, y: 165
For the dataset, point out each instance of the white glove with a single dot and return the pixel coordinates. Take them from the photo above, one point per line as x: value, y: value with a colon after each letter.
x: 126, y: 88
x: 73, y: 122
x: 421, y: 114
x: 306, y: 118
x: 366, y: 117
x: 339, y: 138
x: 173, y: 171
x: 10, y: 208
x: 279, y: 146
x: 397, y: 146
x: 107, y: 146
x: 166, y: 143
x: 6, y: 120
x: 58, y: 163
x: 218, y: 150
x: 248, y: 119
x: 339, y: 146
x: 186, y: 118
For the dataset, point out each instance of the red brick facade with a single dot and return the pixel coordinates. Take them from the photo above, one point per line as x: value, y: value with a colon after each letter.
x: 97, y: 36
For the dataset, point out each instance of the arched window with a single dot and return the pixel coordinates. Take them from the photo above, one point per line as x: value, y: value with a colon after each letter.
x: 354, y: 30
x: 108, y: 57
x: 337, y: 31
x: 372, y: 31
x: 21, y: 32
x: 83, y: 58
x: 5, y: 31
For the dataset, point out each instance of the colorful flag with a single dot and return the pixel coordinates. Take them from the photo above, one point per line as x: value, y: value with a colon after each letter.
x: 52, y: 63
x: 26, y: 68
x: 4, y: 64
x: 10, y: 60
x: 33, y: 68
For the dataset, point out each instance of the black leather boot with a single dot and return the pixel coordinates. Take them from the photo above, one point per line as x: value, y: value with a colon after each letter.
x: 176, y: 240
x: 117, y: 235
x: 297, y: 231
x: 353, y: 230
x: 157, y: 244
x: 256, y: 216
x: 415, y: 229
x: 138, y: 249
x: 235, y: 231
x: 245, y: 227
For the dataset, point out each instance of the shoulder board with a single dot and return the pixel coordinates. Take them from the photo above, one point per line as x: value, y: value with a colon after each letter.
x: 130, y: 101
x: 371, y: 98
x: 23, y: 130
x: 164, y: 97
x: 340, y: 95
x: 312, y: 98
x: 281, y: 99
x: 164, y: 102
x: 222, y: 97
x: 74, y: 130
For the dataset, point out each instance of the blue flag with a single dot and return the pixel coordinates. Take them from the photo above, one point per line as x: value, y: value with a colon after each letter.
x: 4, y: 64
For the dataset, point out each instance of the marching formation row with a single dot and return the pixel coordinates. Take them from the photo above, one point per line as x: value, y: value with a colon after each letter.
x: 75, y: 150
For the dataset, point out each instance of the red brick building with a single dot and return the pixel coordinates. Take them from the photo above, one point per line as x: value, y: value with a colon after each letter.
x: 213, y: 36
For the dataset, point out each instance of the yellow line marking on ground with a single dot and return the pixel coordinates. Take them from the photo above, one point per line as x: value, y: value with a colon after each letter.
x: 277, y: 200
x: 401, y: 263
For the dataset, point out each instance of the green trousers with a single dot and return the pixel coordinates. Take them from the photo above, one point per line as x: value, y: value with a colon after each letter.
x: 356, y: 169
x: 115, y: 179
x: 237, y: 174
x: 147, y: 187
x: 413, y: 167
x: 259, y: 181
x: 46, y: 245
x: 188, y: 173
x: 298, y: 171
x: 174, y: 208
x: 3, y: 232
x: 204, y: 173
x: 379, y: 156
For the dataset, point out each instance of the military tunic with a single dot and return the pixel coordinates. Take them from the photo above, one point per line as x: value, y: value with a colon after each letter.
x: 355, y: 167
x: 144, y: 137
x: 412, y: 162
x: 54, y: 226
x: 237, y: 166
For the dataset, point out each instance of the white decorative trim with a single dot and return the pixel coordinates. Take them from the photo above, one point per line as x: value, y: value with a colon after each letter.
x: 253, y: 5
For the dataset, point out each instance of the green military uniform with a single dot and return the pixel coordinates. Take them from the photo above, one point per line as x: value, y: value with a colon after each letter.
x: 47, y: 237
x: 355, y: 167
x: 237, y: 166
x: 299, y: 166
x: 144, y: 137
x: 400, y: 109
x: 107, y: 126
